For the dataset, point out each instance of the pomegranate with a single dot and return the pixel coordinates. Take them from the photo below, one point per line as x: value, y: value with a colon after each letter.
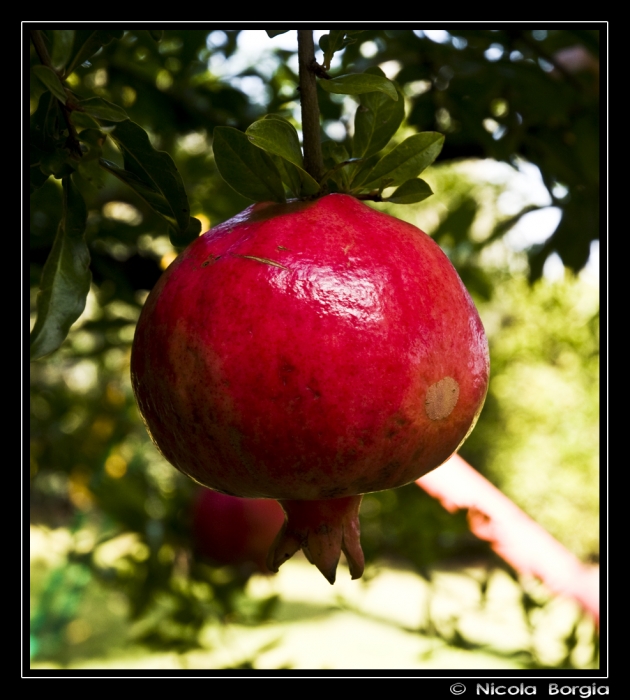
x: 232, y: 530
x: 310, y: 352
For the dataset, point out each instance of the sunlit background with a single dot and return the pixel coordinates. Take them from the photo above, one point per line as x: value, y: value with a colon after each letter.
x: 117, y: 579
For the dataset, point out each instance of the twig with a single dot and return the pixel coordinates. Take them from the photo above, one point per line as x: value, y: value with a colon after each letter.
x: 313, y: 157
x: 72, y: 142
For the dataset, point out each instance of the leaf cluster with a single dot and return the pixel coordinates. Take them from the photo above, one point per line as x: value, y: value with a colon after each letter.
x: 513, y: 95
x: 265, y: 163
x: 67, y: 135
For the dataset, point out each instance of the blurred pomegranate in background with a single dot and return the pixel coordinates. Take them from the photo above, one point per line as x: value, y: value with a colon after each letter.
x: 231, y: 530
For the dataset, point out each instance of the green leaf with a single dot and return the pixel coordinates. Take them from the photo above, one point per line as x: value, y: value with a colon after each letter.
x: 279, y: 137
x: 308, y: 184
x: 335, y: 154
x: 36, y: 176
x: 377, y: 119
x: 90, y: 168
x: 66, y: 277
x: 39, y: 134
x: 289, y: 174
x: 361, y: 170
x: 152, y: 174
x: 40, y: 141
x: 51, y: 80
x: 275, y: 32
x: 180, y: 240
x: 156, y: 34
x: 87, y: 43
x: 84, y: 121
x: 151, y: 195
x: 276, y: 136
x: 334, y: 41
x: 247, y: 169
x: 48, y: 127
x: 330, y: 43
x: 102, y: 109
x: 359, y: 83
x: 410, y: 192
x: 92, y: 172
x: 63, y: 40
x: 58, y: 163
x: 94, y: 140
x: 406, y: 161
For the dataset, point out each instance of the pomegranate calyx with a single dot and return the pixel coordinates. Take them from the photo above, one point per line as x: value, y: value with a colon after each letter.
x: 322, y: 530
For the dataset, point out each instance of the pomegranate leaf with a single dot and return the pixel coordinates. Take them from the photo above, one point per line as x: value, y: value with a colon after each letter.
x: 65, y: 279
x: 247, y: 169
x: 362, y: 168
x: 37, y: 177
x: 92, y: 172
x: 156, y: 200
x: 89, y: 168
x: 63, y: 40
x: 39, y: 141
x: 58, y: 163
x: 410, y: 192
x: 102, y: 109
x: 276, y: 135
x: 359, y: 83
x: 85, y: 121
x: 295, y: 178
x: 46, y: 130
x: 271, y: 33
x: 334, y: 41
x: 377, y: 119
x: 180, y: 240
x: 153, y: 175
x: 51, y: 80
x: 89, y: 42
x: 279, y: 137
x: 180, y: 237
x: 93, y: 140
x: 289, y: 174
x: 406, y: 161
x: 335, y: 157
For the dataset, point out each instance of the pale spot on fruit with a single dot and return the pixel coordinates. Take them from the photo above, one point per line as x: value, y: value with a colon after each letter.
x: 441, y: 398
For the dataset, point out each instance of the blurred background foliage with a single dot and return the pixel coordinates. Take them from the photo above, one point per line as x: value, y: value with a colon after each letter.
x: 509, y: 102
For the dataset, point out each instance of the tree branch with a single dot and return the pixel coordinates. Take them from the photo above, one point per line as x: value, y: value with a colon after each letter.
x: 313, y: 158
x: 72, y: 142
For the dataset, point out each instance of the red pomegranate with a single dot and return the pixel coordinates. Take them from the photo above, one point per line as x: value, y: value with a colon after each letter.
x: 310, y: 352
x: 232, y: 530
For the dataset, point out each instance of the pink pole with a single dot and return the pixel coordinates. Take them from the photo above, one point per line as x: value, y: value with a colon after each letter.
x: 512, y: 534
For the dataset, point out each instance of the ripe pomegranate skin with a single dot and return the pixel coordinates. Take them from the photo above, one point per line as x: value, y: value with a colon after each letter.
x: 306, y: 352
x: 232, y: 530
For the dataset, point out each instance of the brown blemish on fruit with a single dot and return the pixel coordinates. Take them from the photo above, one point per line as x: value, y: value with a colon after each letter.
x: 209, y: 260
x: 441, y: 398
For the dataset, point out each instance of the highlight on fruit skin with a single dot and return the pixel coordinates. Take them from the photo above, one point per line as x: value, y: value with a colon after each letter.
x: 310, y: 352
